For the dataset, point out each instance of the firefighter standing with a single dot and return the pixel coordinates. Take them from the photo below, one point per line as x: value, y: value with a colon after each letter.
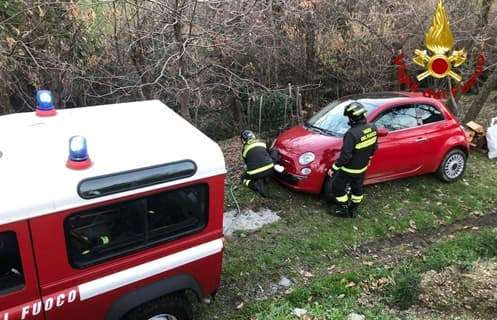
x: 359, y: 145
x: 258, y: 162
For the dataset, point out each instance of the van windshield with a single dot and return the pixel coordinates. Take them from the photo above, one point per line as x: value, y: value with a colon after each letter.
x: 330, y: 120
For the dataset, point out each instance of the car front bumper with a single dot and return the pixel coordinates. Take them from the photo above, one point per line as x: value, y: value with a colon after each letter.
x: 311, y: 183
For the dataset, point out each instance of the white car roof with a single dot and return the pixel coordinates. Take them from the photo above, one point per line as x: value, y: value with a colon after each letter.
x: 34, y: 179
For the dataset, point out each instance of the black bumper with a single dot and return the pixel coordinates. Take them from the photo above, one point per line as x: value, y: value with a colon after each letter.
x: 288, y: 177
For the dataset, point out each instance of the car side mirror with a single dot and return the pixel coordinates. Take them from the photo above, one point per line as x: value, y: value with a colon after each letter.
x: 382, y: 132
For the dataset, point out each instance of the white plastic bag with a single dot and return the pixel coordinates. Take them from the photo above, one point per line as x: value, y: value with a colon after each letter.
x: 492, y: 139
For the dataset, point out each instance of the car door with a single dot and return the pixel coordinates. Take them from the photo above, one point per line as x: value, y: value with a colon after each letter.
x: 402, y: 151
x: 433, y: 126
x: 19, y: 292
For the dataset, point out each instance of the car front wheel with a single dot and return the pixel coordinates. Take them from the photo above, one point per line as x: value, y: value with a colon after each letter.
x: 327, y: 190
x: 452, y: 166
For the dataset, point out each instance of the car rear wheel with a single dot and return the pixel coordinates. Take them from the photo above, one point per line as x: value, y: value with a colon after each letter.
x: 452, y: 166
x: 172, y: 307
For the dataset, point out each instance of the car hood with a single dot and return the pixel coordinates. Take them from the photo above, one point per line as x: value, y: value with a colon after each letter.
x: 298, y: 140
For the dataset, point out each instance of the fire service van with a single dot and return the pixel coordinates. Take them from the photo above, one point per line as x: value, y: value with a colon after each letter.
x: 107, y: 212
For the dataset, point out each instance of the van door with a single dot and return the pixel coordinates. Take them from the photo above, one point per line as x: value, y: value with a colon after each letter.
x: 19, y: 291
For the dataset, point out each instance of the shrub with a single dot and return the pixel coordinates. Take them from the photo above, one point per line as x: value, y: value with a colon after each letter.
x: 404, y: 290
x: 272, y: 112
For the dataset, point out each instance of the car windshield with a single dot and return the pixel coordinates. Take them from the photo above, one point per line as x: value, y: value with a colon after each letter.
x: 330, y: 120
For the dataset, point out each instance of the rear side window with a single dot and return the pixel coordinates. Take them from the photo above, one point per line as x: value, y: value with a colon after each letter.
x: 11, y: 273
x: 398, y: 118
x: 100, y: 234
x: 429, y: 114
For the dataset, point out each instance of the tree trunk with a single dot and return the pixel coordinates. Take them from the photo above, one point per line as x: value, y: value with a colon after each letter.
x: 183, y: 98
x: 480, y: 100
x: 310, y: 46
x: 236, y: 110
x: 481, y: 25
x: 5, y: 105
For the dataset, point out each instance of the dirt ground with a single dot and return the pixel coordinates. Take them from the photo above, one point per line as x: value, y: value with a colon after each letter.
x: 391, y: 250
x: 232, y: 149
x: 459, y: 290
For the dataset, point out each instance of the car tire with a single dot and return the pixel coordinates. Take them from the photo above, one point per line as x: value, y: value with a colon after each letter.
x: 452, y: 166
x: 172, y: 307
x: 327, y: 189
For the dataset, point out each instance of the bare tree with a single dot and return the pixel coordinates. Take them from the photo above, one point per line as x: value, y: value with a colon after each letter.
x: 479, y: 101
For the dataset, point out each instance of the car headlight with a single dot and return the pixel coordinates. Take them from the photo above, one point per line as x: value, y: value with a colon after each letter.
x: 307, y: 158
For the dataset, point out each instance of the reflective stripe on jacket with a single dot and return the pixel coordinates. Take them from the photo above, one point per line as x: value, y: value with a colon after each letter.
x: 359, y: 144
x: 256, y: 157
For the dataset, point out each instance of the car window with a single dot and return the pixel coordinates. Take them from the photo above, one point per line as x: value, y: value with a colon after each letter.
x: 398, y: 118
x: 429, y: 114
x: 100, y: 234
x: 331, y: 118
x: 11, y: 273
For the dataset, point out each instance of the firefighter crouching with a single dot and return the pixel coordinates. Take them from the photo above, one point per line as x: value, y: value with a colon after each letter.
x: 359, y: 145
x: 259, y: 164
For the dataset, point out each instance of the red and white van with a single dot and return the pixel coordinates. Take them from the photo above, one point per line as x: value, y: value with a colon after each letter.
x: 128, y: 233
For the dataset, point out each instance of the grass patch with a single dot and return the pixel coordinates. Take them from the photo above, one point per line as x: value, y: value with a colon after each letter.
x: 335, y: 296
x: 307, y: 238
x: 307, y: 231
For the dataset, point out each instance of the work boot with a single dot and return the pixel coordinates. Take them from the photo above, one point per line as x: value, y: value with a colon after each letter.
x: 342, y: 210
x: 261, y: 188
x: 354, y: 210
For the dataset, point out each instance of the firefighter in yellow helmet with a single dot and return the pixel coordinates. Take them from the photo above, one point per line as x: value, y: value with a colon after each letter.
x: 359, y: 145
x: 259, y: 164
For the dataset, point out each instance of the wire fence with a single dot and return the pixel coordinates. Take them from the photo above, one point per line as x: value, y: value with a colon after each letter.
x: 269, y: 114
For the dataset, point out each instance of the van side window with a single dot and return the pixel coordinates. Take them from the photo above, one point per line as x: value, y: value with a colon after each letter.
x: 11, y: 275
x: 100, y: 234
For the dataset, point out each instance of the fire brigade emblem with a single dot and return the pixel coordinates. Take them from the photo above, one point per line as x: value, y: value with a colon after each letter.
x: 439, y: 40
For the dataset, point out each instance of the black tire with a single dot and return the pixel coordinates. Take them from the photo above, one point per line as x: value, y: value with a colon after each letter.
x: 327, y: 189
x: 176, y: 307
x: 453, y: 166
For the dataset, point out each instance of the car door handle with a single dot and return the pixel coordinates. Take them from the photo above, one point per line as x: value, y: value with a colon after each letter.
x: 421, y: 139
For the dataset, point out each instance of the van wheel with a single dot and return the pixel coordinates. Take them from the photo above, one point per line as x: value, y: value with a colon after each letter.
x: 452, y: 166
x: 172, y: 307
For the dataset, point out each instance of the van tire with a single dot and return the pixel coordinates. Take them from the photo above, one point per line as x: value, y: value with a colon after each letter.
x: 452, y: 166
x: 176, y: 306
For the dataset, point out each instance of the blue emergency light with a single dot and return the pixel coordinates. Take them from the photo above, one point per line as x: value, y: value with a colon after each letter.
x: 44, y: 103
x: 78, y: 153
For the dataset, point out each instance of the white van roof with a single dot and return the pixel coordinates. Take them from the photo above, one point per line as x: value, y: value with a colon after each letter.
x: 34, y: 179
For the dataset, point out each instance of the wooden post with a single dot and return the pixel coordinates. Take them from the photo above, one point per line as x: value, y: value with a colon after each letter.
x: 297, y: 97
x: 260, y: 115
x: 286, y: 108
x: 248, y: 111
x: 290, y: 97
x: 196, y: 116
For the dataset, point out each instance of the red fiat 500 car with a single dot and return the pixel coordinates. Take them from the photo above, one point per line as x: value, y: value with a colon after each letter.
x: 418, y: 135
